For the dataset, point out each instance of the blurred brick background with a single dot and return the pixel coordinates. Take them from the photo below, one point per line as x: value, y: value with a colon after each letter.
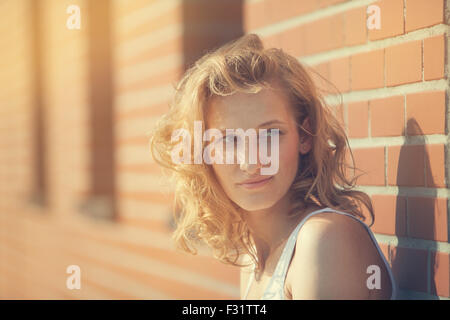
x: 77, y: 182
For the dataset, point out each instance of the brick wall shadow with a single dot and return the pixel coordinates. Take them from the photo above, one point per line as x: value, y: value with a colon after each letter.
x: 208, y: 24
x: 38, y: 194
x: 413, y: 267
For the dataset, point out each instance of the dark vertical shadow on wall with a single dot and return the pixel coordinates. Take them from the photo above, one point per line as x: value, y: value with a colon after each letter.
x: 101, y: 202
x: 38, y: 194
x: 208, y: 24
x: 415, y: 218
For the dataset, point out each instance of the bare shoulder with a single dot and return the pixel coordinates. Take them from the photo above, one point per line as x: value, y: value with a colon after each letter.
x: 332, y: 224
x: 331, y: 259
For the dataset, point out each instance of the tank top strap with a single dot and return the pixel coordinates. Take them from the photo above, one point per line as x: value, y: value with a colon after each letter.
x: 275, y: 288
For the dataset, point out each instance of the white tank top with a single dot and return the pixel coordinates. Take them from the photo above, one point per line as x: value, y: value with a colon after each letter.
x: 275, y: 288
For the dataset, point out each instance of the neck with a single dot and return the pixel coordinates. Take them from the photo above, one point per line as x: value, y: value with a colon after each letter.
x: 270, y: 227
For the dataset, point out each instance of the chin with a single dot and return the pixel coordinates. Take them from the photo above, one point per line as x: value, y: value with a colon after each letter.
x: 256, y: 205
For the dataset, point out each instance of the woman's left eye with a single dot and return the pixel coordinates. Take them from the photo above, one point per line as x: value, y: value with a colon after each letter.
x: 273, y: 132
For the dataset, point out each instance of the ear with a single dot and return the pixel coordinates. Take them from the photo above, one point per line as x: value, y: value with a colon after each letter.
x: 305, y: 139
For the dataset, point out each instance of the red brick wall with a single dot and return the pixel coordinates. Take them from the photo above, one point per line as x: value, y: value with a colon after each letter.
x: 394, y: 84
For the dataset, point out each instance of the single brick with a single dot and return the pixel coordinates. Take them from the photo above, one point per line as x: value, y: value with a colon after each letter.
x: 325, y: 34
x: 340, y: 73
x: 425, y: 112
x: 404, y: 63
x: 358, y: 117
x: 421, y: 14
x: 387, y: 116
x: 355, y: 26
x: 392, y: 21
x: 371, y: 162
x: 435, y: 166
x: 367, y: 70
x: 427, y: 218
x: 434, y: 57
x: 406, y: 166
x: 390, y: 214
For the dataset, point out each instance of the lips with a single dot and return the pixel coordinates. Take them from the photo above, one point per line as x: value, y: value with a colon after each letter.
x: 256, y: 182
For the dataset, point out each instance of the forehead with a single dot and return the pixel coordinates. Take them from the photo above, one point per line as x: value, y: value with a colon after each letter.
x: 248, y: 110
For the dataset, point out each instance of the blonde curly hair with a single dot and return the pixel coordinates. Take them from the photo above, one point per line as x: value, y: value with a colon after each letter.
x: 204, y: 210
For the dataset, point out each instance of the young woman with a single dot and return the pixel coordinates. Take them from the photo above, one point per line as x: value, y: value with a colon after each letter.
x: 297, y: 232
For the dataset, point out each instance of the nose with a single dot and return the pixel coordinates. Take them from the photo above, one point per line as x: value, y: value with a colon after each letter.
x: 244, y: 161
x: 251, y: 169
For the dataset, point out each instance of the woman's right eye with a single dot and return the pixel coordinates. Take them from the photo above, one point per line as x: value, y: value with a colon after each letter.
x: 230, y: 138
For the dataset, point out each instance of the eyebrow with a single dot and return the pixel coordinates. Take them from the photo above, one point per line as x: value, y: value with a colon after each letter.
x: 271, y: 122
x: 267, y: 123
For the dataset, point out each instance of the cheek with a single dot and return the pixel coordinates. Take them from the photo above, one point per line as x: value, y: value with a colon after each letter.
x: 289, y: 155
x: 223, y: 174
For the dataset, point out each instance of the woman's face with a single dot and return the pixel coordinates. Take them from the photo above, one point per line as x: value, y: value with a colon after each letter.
x: 267, y: 109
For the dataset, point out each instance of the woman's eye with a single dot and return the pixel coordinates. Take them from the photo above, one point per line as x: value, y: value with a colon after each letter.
x: 230, y: 138
x: 273, y: 132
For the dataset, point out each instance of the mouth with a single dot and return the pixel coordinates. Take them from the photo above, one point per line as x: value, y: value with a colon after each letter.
x: 255, y: 183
